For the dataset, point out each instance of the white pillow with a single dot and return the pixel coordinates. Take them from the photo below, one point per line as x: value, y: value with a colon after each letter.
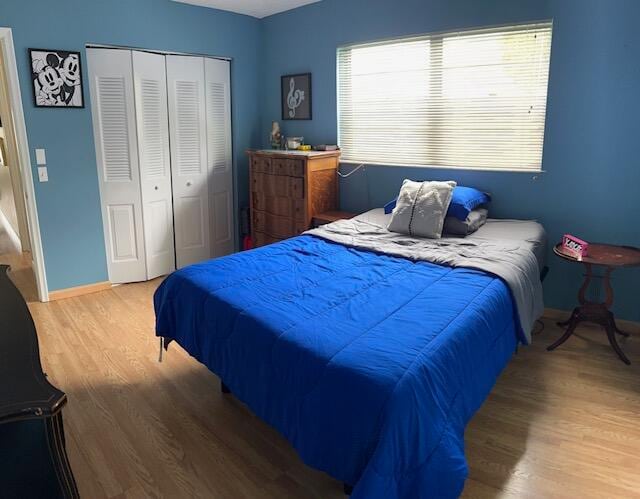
x: 421, y: 208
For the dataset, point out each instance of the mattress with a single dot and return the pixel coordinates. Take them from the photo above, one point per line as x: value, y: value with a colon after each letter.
x: 529, y: 231
x: 370, y: 365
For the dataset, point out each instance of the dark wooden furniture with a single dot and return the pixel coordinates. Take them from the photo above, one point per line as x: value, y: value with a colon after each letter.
x: 33, y: 459
x: 288, y: 188
x: 609, y: 257
x: 331, y: 216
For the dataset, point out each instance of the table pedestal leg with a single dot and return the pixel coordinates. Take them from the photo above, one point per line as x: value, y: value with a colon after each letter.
x: 571, y: 324
x: 615, y: 326
x: 567, y: 322
x: 598, y: 313
x: 612, y: 329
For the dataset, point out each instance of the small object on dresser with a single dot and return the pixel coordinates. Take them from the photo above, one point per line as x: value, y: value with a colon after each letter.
x: 275, y: 137
x: 293, y: 143
x: 574, y: 247
x: 325, y: 147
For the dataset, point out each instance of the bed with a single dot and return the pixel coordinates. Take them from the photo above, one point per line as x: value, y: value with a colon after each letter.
x: 369, y: 358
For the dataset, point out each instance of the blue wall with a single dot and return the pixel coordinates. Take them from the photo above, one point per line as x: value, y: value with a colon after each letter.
x: 590, y: 187
x: 592, y: 182
x: 69, y: 205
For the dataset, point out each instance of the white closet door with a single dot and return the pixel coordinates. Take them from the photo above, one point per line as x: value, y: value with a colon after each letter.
x: 188, y: 132
x: 113, y: 109
x: 219, y: 159
x: 150, y: 83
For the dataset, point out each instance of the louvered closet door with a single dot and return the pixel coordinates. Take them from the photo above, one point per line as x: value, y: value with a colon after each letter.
x: 150, y: 83
x: 217, y: 95
x: 114, y: 125
x: 188, y: 132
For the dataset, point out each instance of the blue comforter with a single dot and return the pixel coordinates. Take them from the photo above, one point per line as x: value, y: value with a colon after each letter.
x: 370, y: 365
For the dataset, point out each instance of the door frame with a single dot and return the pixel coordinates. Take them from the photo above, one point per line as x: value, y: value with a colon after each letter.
x: 24, y: 160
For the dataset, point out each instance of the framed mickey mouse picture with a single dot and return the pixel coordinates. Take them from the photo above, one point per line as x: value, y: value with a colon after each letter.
x: 57, y: 78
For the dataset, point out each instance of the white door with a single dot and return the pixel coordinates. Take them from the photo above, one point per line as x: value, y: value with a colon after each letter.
x: 188, y: 132
x: 150, y: 84
x: 219, y: 159
x: 113, y: 109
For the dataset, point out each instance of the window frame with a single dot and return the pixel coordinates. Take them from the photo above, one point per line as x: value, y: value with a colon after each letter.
x: 437, y: 37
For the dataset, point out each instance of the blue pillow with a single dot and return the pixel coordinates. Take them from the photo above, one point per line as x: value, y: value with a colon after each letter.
x: 463, y: 201
x: 388, y: 208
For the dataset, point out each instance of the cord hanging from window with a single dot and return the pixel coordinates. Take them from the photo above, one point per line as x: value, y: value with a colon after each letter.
x: 347, y: 175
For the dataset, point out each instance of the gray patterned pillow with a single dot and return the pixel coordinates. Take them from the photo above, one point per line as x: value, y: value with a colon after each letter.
x: 421, y: 208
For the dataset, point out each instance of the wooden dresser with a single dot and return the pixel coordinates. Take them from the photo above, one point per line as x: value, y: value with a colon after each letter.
x: 288, y: 188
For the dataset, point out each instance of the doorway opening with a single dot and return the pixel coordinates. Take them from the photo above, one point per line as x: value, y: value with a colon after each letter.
x: 15, y: 245
x: 20, y: 244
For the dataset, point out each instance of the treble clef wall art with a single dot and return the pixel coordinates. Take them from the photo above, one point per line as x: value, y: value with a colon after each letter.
x: 296, y: 97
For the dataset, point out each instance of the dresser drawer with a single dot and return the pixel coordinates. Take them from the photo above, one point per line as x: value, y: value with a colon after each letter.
x: 289, y: 167
x: 275, y: 226
x: 261, y: 164
x: 278, y: 185
x: 279, y: 206
x: 300, y: 227
x: 281, y: 166
x: 262, y: 239
x: 296, y: 167
x: 296, y: 186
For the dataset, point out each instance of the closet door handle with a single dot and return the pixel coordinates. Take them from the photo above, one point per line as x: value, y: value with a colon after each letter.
x: 189, y: 183
x: 156, y: 187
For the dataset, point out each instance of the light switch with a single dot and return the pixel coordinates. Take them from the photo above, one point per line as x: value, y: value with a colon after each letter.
x: 41, y: 158
x: 43, y: 175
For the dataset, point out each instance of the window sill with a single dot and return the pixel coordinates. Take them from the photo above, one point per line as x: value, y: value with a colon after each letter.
x: 433, y: 167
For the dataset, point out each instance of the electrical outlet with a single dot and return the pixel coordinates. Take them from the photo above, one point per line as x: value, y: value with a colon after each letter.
x: 43, y: 175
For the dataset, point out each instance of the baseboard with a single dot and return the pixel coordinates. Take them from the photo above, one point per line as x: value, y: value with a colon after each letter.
x: 562, y: 315
x: 62, y: 294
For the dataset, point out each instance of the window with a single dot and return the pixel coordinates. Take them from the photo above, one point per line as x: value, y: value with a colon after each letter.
x: 471, y: 99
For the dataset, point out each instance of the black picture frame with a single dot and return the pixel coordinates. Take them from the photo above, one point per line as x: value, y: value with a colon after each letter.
x: 299, y: 92
x: 62, y: 69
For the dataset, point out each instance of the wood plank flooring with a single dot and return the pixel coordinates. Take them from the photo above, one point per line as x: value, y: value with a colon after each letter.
x: 563, y: 424
x: 21, y: 273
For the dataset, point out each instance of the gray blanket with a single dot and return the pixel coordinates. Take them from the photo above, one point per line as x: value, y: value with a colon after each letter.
x: 512, y: 261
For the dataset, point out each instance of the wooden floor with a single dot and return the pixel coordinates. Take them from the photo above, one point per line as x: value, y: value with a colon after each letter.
x: 21, y: 273
x: 8, y: 244
x: 562, y: 424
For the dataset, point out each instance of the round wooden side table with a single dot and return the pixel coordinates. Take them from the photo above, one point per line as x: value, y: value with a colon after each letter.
x: 610, y: 257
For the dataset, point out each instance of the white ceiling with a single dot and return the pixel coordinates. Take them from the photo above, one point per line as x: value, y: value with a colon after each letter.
x: 255, y: 8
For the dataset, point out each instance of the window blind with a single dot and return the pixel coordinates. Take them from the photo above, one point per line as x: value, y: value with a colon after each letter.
x: 471, y: 99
